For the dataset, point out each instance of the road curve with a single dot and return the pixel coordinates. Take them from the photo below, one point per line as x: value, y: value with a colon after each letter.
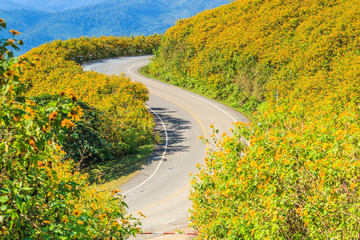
x: 160, y: 191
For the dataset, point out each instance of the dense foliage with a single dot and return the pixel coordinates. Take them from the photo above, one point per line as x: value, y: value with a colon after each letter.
x: 42, y: 195
x: 116, y: 121
x: 84, y: 48
x: 299, y: 177
x: 110, y: 17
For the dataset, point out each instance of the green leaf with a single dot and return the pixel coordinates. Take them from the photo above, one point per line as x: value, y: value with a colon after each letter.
x: 4, y: 190
x: 27, y: 188
x: 4, y: 199
x: 19, y: 203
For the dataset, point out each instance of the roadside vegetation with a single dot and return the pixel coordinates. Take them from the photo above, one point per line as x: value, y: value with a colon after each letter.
x: 115, y: 121
x: 55, y: 120
x: 112, y: 174
x: 295, y: 65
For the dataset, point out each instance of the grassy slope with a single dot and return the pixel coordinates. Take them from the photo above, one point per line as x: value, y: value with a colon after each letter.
x: 114, y: 173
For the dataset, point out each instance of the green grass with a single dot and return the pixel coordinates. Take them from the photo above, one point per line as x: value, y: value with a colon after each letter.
x: 111, y: 175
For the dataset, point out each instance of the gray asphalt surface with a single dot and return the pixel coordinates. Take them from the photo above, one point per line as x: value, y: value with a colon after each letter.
x: 160, y: 191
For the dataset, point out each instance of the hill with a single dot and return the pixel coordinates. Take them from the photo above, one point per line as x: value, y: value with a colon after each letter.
x: 49, y: 105
x: 113, y: 17
x: 294, y: 63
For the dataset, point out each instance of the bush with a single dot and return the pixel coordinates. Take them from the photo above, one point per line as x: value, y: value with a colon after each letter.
x: 116, y: 119
x: 41, y: 193
x: 84, y: 142
x: 298, y: 178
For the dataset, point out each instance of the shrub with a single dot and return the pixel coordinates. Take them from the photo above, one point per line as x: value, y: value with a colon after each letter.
x: 41, y: 193
x: 298, y: 178
x: 116, y: 120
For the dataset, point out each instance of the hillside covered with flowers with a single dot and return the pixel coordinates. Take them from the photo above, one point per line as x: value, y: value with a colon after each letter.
x: 296, y: 65
x: 116, y: 121
x: 55, y: 118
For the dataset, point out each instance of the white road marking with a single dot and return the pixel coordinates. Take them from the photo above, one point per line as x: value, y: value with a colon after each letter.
x: 166, y: 134
x: 183, y: 92
x: 166, y: 143
x: 162, y: 158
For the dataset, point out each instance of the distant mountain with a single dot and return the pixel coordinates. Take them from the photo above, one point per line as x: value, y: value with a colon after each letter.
x: 46, y: 5
x: 113, y: 17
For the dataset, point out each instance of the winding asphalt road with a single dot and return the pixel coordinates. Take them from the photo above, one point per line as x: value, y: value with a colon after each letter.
x: 160, y: 191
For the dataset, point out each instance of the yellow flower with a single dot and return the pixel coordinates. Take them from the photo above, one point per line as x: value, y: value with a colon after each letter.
x: 80, y: 222
x: 33, y: 144
x: 11, y: 41
x: 14, y: 32
x: 76, y: 113
x: 140, y: 213
x: 77, y: 212
x: 67, y: 123
x: 16, y: 118
x: 30, y: 111
x: 73, y: 97
x: 29, y: 102
x: 124, y: 221
x: 113, y: 192
x: 65, y: 220
x: 52, y: 116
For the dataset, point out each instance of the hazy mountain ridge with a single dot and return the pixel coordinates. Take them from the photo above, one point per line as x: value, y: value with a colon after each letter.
x: 45, y: 5
x: 112, y: 17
